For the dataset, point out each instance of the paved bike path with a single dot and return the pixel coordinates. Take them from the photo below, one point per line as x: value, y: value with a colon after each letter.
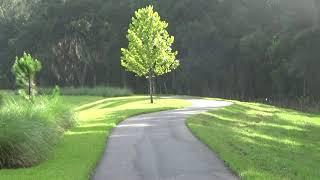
x: 159, y: 146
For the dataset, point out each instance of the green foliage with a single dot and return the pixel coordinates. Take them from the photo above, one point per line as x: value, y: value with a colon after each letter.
x: 234, y: 49
x: 29, y: 132
x: 149, y: 52
x: 25, y: 69
x: 103, y: 91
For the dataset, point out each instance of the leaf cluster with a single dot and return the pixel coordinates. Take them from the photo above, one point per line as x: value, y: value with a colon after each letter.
x: 149, y: 51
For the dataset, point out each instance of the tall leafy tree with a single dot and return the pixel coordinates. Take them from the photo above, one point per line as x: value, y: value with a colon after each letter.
x: 25, y: 69
x: 149, y: 53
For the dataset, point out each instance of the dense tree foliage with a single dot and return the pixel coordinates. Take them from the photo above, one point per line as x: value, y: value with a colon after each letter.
x: 228, y: 48
x: 149, y: 52
x: 25, y: 69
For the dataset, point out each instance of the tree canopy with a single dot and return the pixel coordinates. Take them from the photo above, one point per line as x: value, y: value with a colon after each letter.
x: 244, y: 49
x: 149, y: 53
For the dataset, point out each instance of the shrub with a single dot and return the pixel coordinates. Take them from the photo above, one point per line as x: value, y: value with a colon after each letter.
x: 96, y: 91
x: 28, y: 132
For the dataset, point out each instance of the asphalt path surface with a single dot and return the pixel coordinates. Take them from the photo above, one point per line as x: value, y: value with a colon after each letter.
x: 159, y: 146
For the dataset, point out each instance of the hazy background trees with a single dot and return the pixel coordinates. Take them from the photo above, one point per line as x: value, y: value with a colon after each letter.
x: 243, y: 49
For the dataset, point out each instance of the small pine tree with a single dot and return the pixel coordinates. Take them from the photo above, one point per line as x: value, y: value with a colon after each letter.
x: 25, y: 69
x: 149, y: 53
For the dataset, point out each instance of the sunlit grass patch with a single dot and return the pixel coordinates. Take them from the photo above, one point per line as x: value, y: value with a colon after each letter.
x: 262, y: 142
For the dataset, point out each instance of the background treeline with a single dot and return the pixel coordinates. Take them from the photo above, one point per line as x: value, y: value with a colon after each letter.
x: 245, y: 49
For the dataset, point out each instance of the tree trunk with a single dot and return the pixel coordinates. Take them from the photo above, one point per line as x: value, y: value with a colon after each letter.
x: 173, y: 85
x: 153, y: 85
x: 304, y: 87
x: 316, y: 15
x: 165, y: 87
x: 124, y: 79
x: 94, y: 80
x: 151, y: 89
x: 82, y: 75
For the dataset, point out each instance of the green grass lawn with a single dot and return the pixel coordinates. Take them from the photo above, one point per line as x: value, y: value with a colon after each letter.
x: 262, y: 142
x: 77, y: 155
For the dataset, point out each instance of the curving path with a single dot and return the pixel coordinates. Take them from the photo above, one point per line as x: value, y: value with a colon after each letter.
x: 159, y: 146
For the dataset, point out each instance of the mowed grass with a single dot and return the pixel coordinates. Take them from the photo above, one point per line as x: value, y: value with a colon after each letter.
x: 262, y: 142
x: 76, y: 157
x: 104, y: 91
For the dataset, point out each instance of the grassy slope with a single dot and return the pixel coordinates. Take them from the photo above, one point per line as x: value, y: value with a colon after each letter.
x: 262, y: 142
x: 82, y: 147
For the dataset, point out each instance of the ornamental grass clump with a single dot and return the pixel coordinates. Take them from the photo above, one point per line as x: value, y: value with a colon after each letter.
x: 30, y: 131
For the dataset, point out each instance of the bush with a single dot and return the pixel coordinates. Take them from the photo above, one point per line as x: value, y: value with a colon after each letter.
x: 96, y: 91
x: 28, y: 132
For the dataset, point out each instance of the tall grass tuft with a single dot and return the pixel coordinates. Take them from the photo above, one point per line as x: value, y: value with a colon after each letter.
x: 29, y: 131
x: 88, y: 91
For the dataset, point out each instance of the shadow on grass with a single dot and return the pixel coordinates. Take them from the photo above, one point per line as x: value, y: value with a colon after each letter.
x: 75, y: 157
x: 271, y: 117
x: 91, y: 105
x: 262, y: 140
x: 108, y: 103
x: 85, y: 144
